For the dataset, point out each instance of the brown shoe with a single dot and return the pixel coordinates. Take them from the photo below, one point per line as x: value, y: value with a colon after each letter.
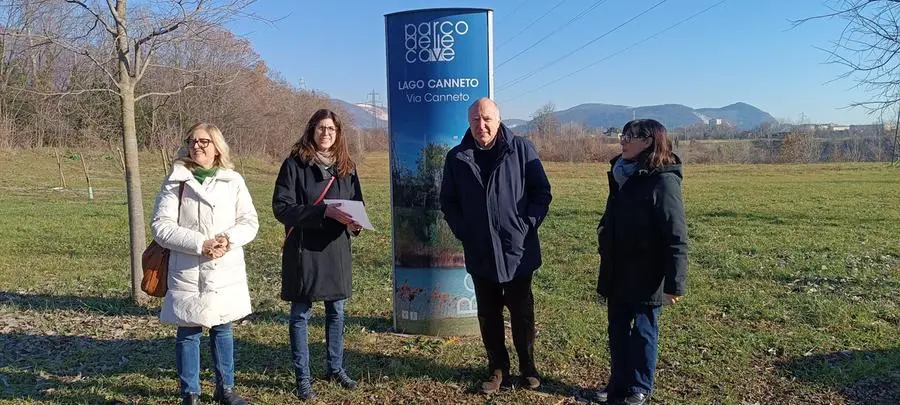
x: 533, y: 382
x: 499, y: 380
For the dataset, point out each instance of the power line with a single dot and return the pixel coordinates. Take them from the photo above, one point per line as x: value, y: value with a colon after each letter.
x: 516, y: 9
x: 533, y: 72
x: 623, y: 50
x: 531, y: 24
x: 566, y: 24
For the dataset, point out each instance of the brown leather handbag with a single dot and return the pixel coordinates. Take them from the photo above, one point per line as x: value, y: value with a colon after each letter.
x: 155, y: 262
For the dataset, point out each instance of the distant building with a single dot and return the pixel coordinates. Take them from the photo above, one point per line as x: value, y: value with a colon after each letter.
x: 716, y: 123
x: 822, y: 130
x: 872, y: 129
x: 808, y: 128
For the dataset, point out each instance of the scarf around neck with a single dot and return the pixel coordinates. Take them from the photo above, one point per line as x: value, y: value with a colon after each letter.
x: 202, y: 174
x: 623, y: 169
x: 324, y: 158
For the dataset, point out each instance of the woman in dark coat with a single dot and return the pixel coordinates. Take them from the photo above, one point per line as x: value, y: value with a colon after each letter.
x: 316, y: 261
x: 642, y: 240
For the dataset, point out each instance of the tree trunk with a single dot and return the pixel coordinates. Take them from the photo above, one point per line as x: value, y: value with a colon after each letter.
x: 135, y: 200
x: 126, y: 86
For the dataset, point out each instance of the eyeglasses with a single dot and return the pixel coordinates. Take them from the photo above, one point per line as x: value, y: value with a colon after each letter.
x: 327, y: 129
x: 629, y: 137
x: 191, y: 142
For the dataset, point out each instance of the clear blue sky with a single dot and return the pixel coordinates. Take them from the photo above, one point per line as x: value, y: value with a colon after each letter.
x: 738, y: 51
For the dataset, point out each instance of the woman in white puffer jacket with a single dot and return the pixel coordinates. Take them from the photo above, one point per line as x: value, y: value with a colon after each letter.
x: 204, y: 215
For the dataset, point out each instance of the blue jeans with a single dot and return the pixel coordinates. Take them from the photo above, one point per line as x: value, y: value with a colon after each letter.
x: 633, y: 340
x: 334, y: 337
x: 187, y: 356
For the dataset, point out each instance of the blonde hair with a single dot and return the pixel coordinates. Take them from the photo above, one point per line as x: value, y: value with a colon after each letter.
x: 223, y: 156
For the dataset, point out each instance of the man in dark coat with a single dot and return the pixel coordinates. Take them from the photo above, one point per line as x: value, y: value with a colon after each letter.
x: 494, y: 197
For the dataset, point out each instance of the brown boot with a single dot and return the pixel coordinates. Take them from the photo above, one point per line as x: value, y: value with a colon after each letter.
x: 533, y: 382
x: 499, y: 380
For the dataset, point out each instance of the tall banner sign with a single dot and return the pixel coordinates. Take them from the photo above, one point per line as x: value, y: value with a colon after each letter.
x: 439, y: 61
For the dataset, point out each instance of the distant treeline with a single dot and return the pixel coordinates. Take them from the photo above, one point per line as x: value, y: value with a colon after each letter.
x: 51, y: 97
x: 768, y: 143
x: 790, y: 148
x: 44, y: 103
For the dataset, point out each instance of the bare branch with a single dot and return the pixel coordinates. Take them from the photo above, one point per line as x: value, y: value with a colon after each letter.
x: 115, y: 15
x: 45, y: 40
x: 187, y: 87
x: 68, y: 93
x: 143, y: 66
x: 178, y: 69
x: 158, y: 32
x: 96, y: 15
x: 837, y: 13
x: 869, y: 48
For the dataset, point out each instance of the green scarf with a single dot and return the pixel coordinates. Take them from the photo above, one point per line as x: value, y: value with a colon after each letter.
x: 201, y: 174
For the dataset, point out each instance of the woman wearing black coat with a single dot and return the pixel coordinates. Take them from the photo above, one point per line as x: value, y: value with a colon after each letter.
x: 316, y: 261
x: 642, y: 241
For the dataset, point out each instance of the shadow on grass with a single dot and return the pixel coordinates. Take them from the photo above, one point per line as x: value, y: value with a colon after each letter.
x: 789, y: 219
x: 862, y: 377
x: 372, y: 323
x: 72, y: 369
x: 80, y: 369
x: 96, y: 305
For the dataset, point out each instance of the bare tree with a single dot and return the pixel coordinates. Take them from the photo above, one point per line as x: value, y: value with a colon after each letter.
x: 544, y: 122
x: 123, y: 45
x: 869, y: 49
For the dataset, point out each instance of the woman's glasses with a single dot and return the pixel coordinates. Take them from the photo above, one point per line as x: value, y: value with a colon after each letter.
x: 191, y: 142
x: 629, y: 137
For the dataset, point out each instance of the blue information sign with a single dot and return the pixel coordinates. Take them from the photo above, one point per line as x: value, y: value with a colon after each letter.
x: 439, y: 61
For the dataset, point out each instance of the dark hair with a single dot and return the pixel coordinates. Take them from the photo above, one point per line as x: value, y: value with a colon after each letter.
x: 659, y: 152
x: 305, y: 148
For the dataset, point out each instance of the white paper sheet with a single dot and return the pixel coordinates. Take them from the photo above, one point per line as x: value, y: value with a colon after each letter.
x: 355, y: 209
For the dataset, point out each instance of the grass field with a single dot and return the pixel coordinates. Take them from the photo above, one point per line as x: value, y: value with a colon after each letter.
x: 793, y: 295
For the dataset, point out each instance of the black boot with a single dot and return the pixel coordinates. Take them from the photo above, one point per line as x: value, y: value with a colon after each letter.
x: 637, y: 399
x: 604, y: 395
x: 190, y: 399
x: 304, y: 390
x: 227, y: 396
x: 343, y: 379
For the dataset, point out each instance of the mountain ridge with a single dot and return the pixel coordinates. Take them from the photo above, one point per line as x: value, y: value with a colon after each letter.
x: 740, y: 115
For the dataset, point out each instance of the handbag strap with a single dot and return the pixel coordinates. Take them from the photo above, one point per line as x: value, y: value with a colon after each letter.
x: 317, y: 202
x: 324, y: 191
x: 180, y: 195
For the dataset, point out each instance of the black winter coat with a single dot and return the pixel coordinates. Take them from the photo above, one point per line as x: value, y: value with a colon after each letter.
x: 316, y: 262
x: 497, y: 222
x: 642, y: 237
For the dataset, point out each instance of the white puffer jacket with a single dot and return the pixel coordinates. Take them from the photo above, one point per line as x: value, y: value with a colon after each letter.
x: 202, y: 291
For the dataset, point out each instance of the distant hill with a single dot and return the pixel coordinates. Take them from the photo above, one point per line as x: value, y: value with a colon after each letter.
x: 595, y: 115
x: 741, y: 115
x: 512, y: 122
x: 362, y: 114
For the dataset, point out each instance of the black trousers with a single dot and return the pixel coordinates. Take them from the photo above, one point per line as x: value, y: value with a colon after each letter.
x: 515, y: 295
